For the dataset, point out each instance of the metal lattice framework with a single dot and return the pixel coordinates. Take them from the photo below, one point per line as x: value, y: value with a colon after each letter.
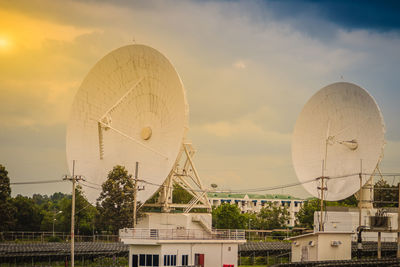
x: 185, y: 175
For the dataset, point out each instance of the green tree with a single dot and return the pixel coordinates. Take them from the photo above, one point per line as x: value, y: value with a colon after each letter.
x: 251, y: 220
x: 180, y: 195
x: 28, y: 217
x: 227, y: 216
x: 85, y: 214
x: 385, y: 195
x: 273, y: 217
x: 7, y: 211
x: 40, y: 199
x: 305, y: 216
x: 115, y: 204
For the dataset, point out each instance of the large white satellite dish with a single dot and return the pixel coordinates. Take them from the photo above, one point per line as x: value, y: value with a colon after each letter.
x: 339, y: 133
x: 131, y: 107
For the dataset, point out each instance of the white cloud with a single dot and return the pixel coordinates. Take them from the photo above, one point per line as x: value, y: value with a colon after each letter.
x: 239, y: 65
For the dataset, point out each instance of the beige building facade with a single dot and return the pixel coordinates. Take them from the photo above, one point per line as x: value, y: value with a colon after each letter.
x: 321, y: 246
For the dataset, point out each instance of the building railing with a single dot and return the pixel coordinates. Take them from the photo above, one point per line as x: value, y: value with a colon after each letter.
x: 180, y: 234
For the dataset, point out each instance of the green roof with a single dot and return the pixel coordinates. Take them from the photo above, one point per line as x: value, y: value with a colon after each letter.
x: 251, y: 196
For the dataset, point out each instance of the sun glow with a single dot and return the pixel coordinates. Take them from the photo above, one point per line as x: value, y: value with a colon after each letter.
x: 4, y: 43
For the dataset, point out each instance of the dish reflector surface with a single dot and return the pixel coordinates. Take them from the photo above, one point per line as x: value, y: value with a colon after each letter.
x: 339, y: 131
x: 130, y: 107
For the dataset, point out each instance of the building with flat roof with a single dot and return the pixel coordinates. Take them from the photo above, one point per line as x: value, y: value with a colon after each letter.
x: 181, y: 239
x: 255, y: 202
x: 321, y: 246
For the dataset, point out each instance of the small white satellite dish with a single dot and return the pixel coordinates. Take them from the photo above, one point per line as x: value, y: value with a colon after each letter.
x: 130, y: 108
x: 339, y: 133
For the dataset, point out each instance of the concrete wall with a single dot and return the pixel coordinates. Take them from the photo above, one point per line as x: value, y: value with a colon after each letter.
x: 328, y: 252
x: 303, y: 243
x: 322, y: 248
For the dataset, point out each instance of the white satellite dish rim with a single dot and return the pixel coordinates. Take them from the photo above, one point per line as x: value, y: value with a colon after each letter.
x: 313, y: 180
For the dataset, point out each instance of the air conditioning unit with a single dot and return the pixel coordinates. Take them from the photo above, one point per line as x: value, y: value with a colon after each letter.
x: 336, y: 243
x: 379, y: 222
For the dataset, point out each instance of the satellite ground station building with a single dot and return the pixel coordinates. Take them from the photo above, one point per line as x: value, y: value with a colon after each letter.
x: 167, y: 239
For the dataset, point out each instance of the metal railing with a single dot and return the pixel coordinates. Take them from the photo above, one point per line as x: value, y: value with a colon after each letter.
x: 22, y: 236
x: 180, y: 234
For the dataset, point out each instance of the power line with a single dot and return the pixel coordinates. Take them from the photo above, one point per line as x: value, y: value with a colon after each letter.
x: 257, y: 189
x: 37, y: 182
x: 85, y: 185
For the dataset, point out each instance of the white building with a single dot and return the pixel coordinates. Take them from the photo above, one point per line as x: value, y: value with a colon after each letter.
x: 180, y: 239
x: 255, y: 202
x: 339, y: 219
x: 321, y: 246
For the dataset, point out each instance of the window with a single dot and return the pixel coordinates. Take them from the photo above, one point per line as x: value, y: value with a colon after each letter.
x: 135, y: 260
x: 173, y: 263
x: 169, y: 260
x: 149, y: 260
x: 156, y: 260
x: 142, y: 260
x: 185, y: 259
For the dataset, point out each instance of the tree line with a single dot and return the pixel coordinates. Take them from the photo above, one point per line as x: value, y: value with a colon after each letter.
x: 114, y: 207
x: 111, y: 212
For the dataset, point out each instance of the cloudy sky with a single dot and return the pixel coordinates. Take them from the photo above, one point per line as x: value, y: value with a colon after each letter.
x: 248, y: 68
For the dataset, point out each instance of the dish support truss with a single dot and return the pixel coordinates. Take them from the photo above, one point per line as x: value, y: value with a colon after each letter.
x: 184, y: 174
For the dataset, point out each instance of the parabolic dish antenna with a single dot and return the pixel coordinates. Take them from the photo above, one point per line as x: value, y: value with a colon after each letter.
x: 130, y: 108
x: 339, y: 133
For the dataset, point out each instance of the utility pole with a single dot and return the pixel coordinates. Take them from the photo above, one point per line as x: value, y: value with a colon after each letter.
x: 135, y: 189
x: 360, y: 197
x: 322, y: 188
x: 321, y: 222
x: 73, y: 178
x: 398, y: 225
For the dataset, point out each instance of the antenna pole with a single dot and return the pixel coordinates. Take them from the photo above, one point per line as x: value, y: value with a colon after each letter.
x: 73, y: 217
x: 321, y: 223
x: 74, y: 178
x: 398, y: 226
x: 135, y: 189
x: 361, y: 197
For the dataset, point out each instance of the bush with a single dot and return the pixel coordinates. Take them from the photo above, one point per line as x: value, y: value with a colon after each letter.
x: 54, y: 239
